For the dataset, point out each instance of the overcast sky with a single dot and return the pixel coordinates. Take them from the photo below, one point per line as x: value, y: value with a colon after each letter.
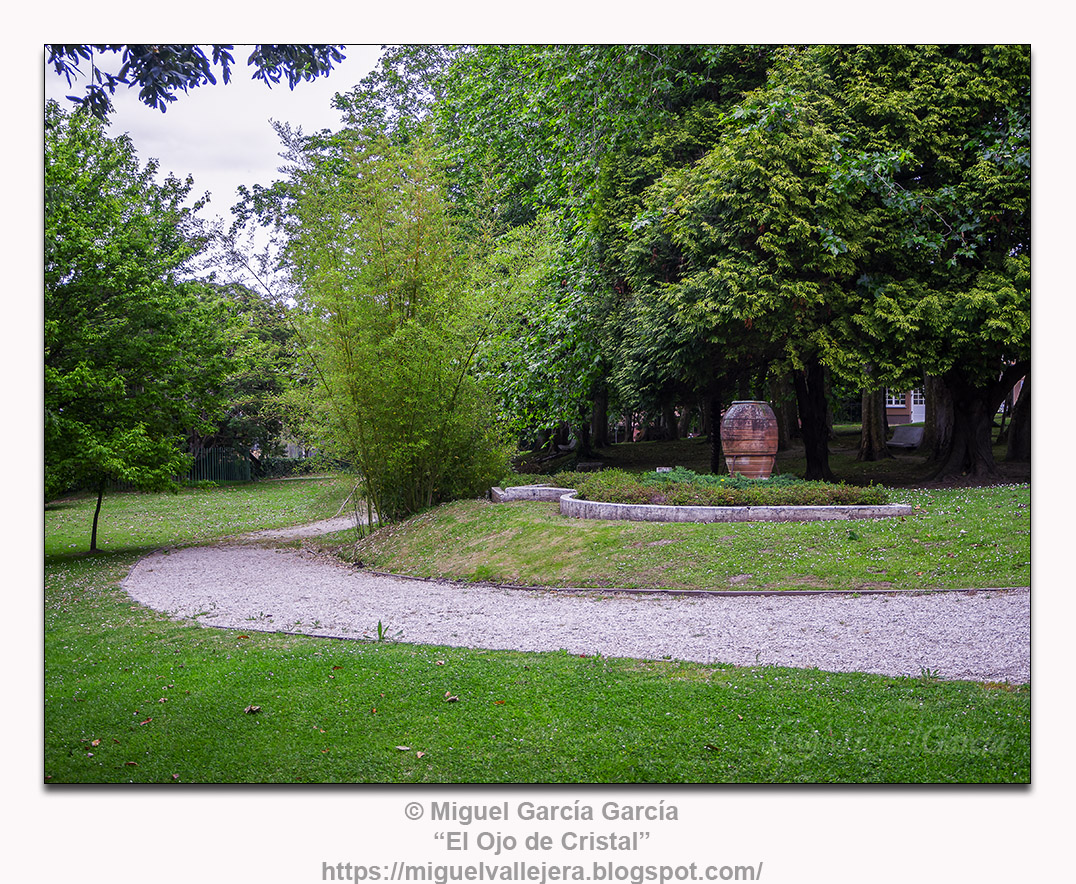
x: 222, y: 134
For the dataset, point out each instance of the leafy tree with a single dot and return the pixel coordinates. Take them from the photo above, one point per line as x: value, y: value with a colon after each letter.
x: 866, y: 212
x: 530, y: 131
x: 159, y: 70
x: 390, y: 329
x: 935, y: 154
x: 748, y: 249
x: 540, y: 346
x: 262, y: 348
x: 134, y: 355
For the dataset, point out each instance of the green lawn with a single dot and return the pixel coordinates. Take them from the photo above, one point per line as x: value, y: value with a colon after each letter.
x: 131, y: 696
x: 956, y: 538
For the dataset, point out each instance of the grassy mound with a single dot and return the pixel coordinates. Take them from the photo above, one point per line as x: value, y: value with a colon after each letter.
x: 683, y: 487
x: 955, y: 538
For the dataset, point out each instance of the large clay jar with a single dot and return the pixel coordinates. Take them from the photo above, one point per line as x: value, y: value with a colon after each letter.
x: 749, y: 439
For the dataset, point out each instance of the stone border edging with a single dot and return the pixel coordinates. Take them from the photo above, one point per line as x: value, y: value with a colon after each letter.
x: 645, y: 512
x: 528, y: 492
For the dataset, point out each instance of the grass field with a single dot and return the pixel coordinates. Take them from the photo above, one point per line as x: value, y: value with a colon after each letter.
x: 956, y: 538
x: 130, y: 696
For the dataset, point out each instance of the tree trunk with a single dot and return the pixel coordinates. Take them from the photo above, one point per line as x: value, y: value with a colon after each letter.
x: 872, y: 445
x: 938, y: 424
x: 582, y: 437
x: 668, y: 419
x: 971, y: 447
x: 810, y: 387
x: 96, y: 515
x: 599, y: 419
x: 686, y: 417
x: 1018, y: 447
x: 782, y: 400
x: 717, y: 458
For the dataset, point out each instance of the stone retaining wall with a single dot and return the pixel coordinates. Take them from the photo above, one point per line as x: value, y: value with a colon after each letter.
x: 591, y: 509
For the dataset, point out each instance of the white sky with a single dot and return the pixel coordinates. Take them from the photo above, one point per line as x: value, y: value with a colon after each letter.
x: 221, y: 134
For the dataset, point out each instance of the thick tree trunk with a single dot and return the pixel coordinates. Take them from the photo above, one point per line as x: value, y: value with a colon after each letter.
x: 1018, y: 447
x: 938, y: 425
x: 96, y: 515
x: 971, y: 447
x: 872, y: 445
x: 810, y: 387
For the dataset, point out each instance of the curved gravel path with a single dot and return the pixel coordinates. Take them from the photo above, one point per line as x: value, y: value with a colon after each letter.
x: 982, y: 636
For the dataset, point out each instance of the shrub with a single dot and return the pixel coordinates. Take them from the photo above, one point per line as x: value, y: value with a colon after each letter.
x: 681, y: 487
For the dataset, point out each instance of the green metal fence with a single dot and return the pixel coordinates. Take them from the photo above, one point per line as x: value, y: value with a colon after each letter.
x: 219, y: 465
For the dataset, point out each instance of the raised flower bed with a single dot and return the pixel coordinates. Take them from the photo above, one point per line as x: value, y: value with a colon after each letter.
x: 679, y: 495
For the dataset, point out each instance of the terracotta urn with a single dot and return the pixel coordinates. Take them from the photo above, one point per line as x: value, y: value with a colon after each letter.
x: 749, y: 439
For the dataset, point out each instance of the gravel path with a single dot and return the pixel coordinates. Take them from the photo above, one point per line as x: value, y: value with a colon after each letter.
x: 983, y: 636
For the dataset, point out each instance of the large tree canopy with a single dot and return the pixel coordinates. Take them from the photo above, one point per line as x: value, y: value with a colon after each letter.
x: 550, y: 133
x: 135, y: 356
x: 685, y: 224
x: 159, y: 70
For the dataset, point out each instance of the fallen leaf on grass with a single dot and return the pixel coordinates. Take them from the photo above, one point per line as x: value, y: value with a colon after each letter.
x: 404, y: 748
x: 338, y: 667
x: 451, y: 697
x: 96, y: 743
x: 498, y: 702
x: 130, y: 764
x: 252, y: 709
x: 147, y: 721
x: 419, y: 754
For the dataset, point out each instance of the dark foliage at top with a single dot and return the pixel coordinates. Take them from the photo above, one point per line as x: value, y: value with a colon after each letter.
x: 162, y: 69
